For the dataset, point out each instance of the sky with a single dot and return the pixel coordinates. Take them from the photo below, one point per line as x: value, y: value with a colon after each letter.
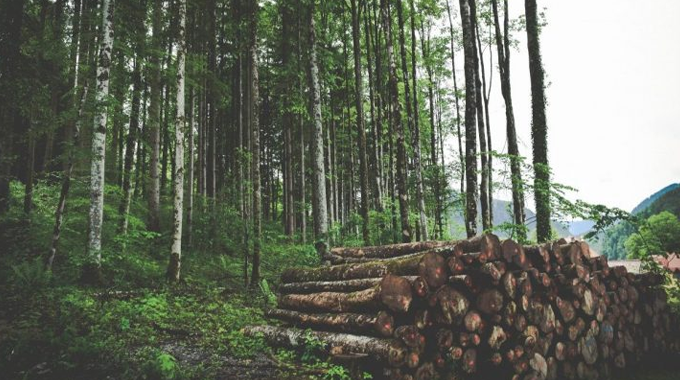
x: 613, y: 74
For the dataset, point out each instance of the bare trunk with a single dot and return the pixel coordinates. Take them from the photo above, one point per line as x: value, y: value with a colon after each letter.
x: 92, y: 270
x: 154, y: 189
x: 319, y: 199
x: 173, y: 271
x: 398, y: 128
x: 470, y: 118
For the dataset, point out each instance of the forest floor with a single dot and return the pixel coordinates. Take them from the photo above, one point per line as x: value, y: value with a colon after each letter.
x: 138, y: 327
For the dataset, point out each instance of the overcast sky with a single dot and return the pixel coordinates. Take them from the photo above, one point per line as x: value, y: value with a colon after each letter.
x: 613, y: 68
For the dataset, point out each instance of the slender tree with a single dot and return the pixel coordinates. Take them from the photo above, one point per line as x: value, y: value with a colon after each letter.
x: 131, y: 144
x: 92, y: 270
x: 173, y: 272
x: 255, y: 138
x: 154, y: 126
x: 539, y: 127
x: 470, y: 52
x: 359, y: 101
x: 398, y: 127
x: 319, y: 183
x: 459, y: 134
x: 503, y: 48
x: 412, y: 123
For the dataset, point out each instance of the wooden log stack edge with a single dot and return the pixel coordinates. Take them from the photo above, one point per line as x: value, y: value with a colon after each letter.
x: 477, y: 308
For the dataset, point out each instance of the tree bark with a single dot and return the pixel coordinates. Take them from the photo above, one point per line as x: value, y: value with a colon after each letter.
x: 154, y: 188
x: 319, y: 188
x: 461, y: 155
x: 92, y: 270
x: 173, y: 272
x: 413, y: 124
x: 255, y: 137
x: 470, y: 118
x: 539, y: 128
x: 380, y: 324
x: 359, y: 101
x: 502, y: 45
x: 131, y: 144
x: 398, y: 127
x: 387, y: 350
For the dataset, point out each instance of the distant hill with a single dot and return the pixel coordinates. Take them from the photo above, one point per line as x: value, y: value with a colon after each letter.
x: 611, y: 241
x: 502, y: 213
x: 652, y: 198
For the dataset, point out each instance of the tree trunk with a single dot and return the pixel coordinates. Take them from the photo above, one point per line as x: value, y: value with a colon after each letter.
x: 380, y: 324
x: 319, y: 188
x: 255, y: 137
x: 539, y: 128
x: 154, y: 192
x: 503, y: 46
x: 398, y: 128
x: 92, y: 270
x: 173, y: 272
x: 387, y: 350
x: 484, y: 185
x: 359, y: 101
x: 470, y: 118
x: 412, y: 123
x: 131, y: 144
x: 461, y: 155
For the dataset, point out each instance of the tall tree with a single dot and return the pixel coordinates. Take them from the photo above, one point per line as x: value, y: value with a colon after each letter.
x: 92, y: 270
x: 255, y: 138
x: 131, y: 145
x: 461, y: 155
x: 412, y: 123
x: 539, y: 127
x: 503, y: 47
x: 178, y: 193
x: 470, y: 53
x: 397, y: 125
x: 484, y: 185
x: 154, y: 193
x: 319, y: 183
x: 359, y: 101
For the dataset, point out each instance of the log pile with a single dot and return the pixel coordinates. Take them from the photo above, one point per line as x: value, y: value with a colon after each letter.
x: 477, y: 308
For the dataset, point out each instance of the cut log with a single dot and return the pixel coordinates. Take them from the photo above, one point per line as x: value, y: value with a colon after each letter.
x: 432, y: 267
x: 452, y: 303
x: 403, y: 266
x: 387, y: 350
x: 333, y: 286
x: 381, y: 324
x: 393, y: 292
x: 391, y: 250
x: 490, y: 301
x: 488, y: 245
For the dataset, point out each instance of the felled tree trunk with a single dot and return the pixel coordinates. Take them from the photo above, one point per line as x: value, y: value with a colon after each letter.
x: 380, y: 324
x: 386, y: 350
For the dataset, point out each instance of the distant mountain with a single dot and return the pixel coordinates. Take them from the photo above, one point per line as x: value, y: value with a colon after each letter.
x: 611, y: 241
x: 580, y: 227
x: 502, y: 213
x: 648, y: 202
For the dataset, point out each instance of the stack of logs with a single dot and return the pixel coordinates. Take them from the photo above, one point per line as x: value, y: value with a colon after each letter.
x: 477, y: 308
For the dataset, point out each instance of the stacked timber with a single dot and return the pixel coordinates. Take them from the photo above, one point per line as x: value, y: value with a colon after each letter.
x: 477, y: 308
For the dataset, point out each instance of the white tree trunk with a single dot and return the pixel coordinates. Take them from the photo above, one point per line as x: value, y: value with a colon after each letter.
x: 319, y: 199
x: 176, y: 252
x: 99, y: 137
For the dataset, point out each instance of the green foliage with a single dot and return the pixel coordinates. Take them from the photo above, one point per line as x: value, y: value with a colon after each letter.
x: 269, y: 295
x: 658, y: 236
x: 31, y: 276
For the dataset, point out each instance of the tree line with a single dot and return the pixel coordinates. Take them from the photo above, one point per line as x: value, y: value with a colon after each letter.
x: 333, y: 113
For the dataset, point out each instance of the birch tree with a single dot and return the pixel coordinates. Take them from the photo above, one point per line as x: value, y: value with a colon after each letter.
x: 178, y: 191
x: 92, y: 270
